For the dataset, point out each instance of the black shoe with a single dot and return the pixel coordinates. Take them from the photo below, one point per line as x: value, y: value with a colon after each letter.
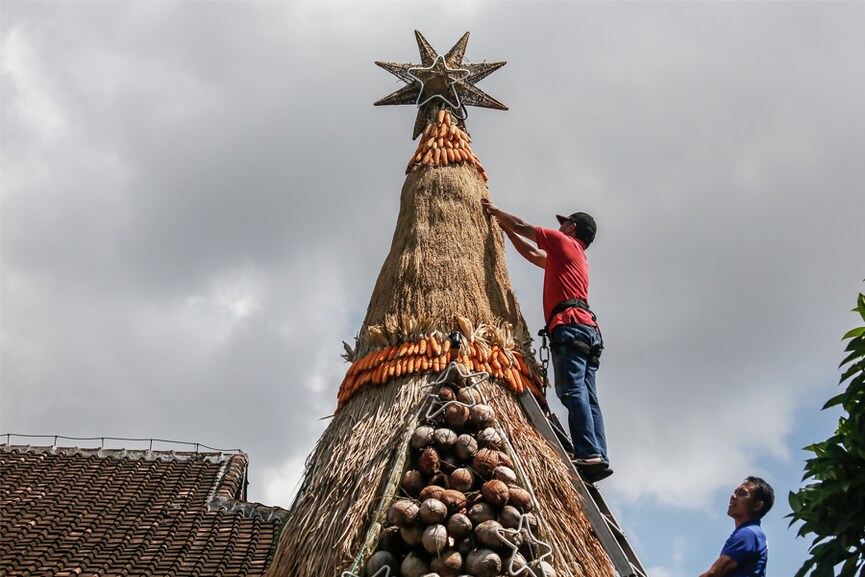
x: 590, y: 465
x: 595, y: 476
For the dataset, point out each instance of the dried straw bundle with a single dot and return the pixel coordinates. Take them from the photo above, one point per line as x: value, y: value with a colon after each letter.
x: 345, y: 481
x: 446, y: 259
x: 576, y: 550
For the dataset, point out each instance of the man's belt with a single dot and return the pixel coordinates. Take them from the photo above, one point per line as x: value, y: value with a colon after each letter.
x: 570, y: 304
x: 592, y: 353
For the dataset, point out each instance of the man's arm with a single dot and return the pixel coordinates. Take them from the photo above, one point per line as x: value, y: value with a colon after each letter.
x: 721, y: 567
x: 510, y: 222
x: 518, y: 231
x: 528, y: 251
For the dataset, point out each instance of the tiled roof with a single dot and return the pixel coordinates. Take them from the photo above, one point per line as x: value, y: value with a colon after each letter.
x: 117, y: 512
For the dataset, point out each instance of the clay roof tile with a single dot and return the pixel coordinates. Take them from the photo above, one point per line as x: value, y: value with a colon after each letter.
x: 78, y: 512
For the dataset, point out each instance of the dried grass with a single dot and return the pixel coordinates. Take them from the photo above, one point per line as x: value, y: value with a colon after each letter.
x: 345, y: 481
x: 446, y: 259
x: 576, y: 550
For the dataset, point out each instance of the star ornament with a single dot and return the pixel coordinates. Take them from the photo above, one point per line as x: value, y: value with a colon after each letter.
x: 441, y: 82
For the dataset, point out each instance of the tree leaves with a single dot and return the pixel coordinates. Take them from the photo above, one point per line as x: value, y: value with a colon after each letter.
x: 832, y: 507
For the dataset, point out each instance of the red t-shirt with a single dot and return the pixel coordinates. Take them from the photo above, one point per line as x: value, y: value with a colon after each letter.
x: 566, y: 276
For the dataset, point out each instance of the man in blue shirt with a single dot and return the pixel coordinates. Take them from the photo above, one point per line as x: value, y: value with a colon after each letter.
x: 745, y: 553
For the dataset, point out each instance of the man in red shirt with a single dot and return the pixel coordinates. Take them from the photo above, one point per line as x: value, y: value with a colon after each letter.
x: 575, y: 339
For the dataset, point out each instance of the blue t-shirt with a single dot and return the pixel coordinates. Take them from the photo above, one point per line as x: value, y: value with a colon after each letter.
x: 747, y: 547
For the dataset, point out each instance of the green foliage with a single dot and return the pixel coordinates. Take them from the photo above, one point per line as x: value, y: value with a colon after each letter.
x: 832, y: 506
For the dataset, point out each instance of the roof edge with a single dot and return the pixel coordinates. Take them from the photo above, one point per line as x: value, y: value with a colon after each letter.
x: 228, y: 490
x: 143, y: 454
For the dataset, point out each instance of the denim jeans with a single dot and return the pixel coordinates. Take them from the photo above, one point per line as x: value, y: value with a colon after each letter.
x: 575, y: 387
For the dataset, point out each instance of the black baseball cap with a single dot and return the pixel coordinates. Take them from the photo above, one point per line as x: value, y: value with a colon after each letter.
x: 586, y: 226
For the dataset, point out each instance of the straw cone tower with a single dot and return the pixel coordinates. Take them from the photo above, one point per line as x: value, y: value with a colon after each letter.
x: 443, y: 296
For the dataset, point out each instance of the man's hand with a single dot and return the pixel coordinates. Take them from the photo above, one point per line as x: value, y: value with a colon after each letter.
x: 516, y: 229
x: 488, y: 205
x: 508, y: 221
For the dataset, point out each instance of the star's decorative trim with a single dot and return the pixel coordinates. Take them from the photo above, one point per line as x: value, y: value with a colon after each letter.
x: 439, y: 72
x: 440, y: 82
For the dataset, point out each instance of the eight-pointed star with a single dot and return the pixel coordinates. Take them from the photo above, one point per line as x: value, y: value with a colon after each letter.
x: 440, y: 82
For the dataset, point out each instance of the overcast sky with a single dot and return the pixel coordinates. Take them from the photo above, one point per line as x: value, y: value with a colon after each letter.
x: 197, y: 199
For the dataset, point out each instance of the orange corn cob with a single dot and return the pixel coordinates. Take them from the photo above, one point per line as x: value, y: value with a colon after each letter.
x: 518, y: 382
x: 382, y: 356
x: 377, y: 376
x: 351, y: 369
x: 361, y: 364
x: 503, y: 358
x: 522, y: 363
x: 434, y: 346
x: 509, y: 380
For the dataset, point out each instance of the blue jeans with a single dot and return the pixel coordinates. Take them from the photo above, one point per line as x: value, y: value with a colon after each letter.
x: 575, y: 387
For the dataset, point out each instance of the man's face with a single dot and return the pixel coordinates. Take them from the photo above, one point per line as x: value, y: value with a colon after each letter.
x: 743, y: 504
x: 567, y: 227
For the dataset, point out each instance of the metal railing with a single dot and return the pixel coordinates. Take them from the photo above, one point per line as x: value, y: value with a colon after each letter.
x: 150, y: 442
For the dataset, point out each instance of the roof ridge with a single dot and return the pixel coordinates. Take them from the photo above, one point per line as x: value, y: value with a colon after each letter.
x: 229, y: 492
x: 142, y: 454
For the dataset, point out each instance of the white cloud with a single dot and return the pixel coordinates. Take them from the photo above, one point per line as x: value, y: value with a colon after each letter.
x: 659, y: 571
x: 282, y: 482
x: 230, y: 299
x: 35, y: 95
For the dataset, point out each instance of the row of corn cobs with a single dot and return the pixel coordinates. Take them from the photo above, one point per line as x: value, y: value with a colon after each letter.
x: 444, y: 143
x: 431, y: 355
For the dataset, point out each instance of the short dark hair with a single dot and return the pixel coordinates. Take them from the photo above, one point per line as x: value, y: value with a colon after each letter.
x: 763, y: 491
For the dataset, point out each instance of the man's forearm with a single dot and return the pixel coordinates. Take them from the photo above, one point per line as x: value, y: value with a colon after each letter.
x: 516, y: 225
x: 721, y: 567
x: 527, y: 250
x: 511, y: 222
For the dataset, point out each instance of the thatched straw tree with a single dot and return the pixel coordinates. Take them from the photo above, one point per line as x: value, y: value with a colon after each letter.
x: 430, y: 464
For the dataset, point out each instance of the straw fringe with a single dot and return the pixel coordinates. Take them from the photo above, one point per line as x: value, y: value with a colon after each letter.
x: 576, y: 550
x: 391, y: 333
x: 344, y: 481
